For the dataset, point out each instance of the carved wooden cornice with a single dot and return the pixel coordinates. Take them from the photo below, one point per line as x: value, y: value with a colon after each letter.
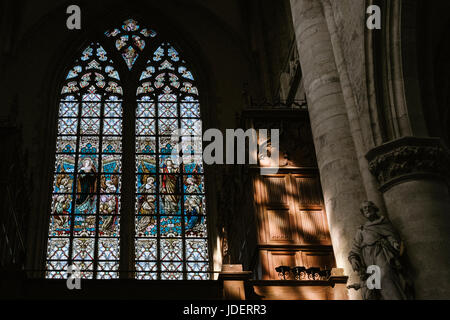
x: 409, y: 158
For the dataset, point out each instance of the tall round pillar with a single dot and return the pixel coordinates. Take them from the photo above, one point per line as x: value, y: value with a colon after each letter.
x: 341, y: 180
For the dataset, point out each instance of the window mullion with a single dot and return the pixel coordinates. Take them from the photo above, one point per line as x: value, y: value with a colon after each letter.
x: 127, y: 211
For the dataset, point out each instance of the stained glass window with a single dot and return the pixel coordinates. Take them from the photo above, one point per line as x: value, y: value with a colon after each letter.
x: 171, y: 234
x: 170, y: 238
x: 130, y: 40
x: 84, y: 217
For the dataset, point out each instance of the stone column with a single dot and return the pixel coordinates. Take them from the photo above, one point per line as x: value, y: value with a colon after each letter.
x: 413, y: 175
x: 341, y: 180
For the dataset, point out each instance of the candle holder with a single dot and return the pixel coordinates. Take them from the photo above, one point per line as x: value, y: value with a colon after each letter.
x: 299, y: 273
x: 303, y: 273
x: 324, y: 274
x: 283, y: 271
x: 313, y: 273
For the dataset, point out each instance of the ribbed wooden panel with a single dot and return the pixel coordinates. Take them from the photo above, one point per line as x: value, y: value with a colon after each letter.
x: 323, y: 260
x: 279, y: 258
x: 309, y: 192
x: 276, y: 190
x: 279, y: 225
x: 313, y: 226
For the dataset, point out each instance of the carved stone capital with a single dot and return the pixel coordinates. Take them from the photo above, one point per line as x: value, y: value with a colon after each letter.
x: 409, y: 158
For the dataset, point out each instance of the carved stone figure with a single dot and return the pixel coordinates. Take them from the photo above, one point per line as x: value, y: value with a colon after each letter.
x: 378, y: 243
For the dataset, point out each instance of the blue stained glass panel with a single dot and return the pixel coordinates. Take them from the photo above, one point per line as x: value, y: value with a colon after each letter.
x: 58, y: 248
x: 86, y: 268
x: 170, y: 205
x: 90, y: 110
x: 145, y: 127
x: 193, y: 184
x: 65, y: 163
x: 110, y: 183
x: 108, y: 270
x: 146, y: 183
x: 130, y: 25
x: 195, y: 226
x: 113, y: 109
x: 190, y: 109
x: 84, y: 226
x: 139, y: 42
x: 109, y: 226
x: 170, y: 226
x: 130, y: 55
x: 121, y: 41
x: 83, y: 249
x: 197, y: 267
x: 192, y: 163
x: 109, y: 249
x: 166, y: 65
x: 61, y: 204
x: 63, y: 183
x: 191, y: 145
x: 59, y: 226
x: 146, y: 164
x: 167, y: 109
x: 112, y: 73
x: 191, y: 127
x: 145, y: 145
x: 67, y: 126
x: 148, y: 32
x: 101, y: 54
x: 112, y: 126
x: 90, y: 126
x: 143, y: 270
x: 112, y: 33
x: 171, y: 250
x: 68, y: 109
x: 145, y: 109
x: 77, y: 215
x: 88, y: 163
x: 109, y: 204
x: 92, y: 97
x: 146, y: 226
x: 173, y: 54
x: 112, y: 144
x: 146, y: 204
x: 66, y: 144
x: 196, y: 250
x: 88, y: 144
x: 194, y: 205
x: 147, y: 73
x: 167, y: 144
x: 158, y: 54
x: 85, y: 204
x: 168, y: 126
x: 111, y: 163
x: 185, y: 73
x: 146, y: 249
x: 56, y: 269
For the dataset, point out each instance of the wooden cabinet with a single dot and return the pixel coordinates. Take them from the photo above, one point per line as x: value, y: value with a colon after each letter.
x: 292, y: 223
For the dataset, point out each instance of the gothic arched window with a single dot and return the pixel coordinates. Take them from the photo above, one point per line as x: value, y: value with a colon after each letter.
x: 170, y: 202
x: 170, y: 214
x: 84, y: 222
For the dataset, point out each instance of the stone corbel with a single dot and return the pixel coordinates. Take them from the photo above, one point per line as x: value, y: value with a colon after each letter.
x: 409, y: 158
